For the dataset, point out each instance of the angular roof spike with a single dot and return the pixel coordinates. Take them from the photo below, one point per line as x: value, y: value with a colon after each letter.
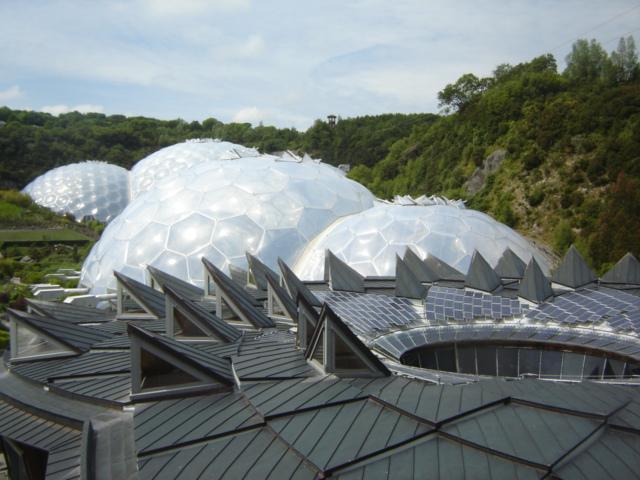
x: 203, y: 320
x: 342, y: 277
x: 295, y: 287
x: 151, y: 300
x: 69, y: 312
x: 443, y: 269
x: 573, y: 271
x: 177, y: 284
x: 237, y: 299
x: 259, y: 271
x: 407, y: 285
x: 420, y: 269
x: 534, y: 286
x: 510, y: 265
x: 626, y: 271
x: 480, y: 275
x: 69, y: 337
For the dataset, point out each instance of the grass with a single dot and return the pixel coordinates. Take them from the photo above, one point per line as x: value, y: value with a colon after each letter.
x: 42, y: 235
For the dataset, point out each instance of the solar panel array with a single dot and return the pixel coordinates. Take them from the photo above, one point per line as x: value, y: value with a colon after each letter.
x: 368, y: 314
x: 613, y: 308
x: 445, y: 305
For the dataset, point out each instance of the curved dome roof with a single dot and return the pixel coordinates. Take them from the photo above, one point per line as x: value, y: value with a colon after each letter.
x: 264, y: 205
x: 370, y: 240
x: 90, y: 188
x: 181, y: 156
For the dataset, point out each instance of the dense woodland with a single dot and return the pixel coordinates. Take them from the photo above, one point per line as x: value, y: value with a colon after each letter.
x: 570, y: 141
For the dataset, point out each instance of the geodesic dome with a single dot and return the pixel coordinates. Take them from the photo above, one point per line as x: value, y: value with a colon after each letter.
x: 369, y: 241
x: 181, y: 156
x: 264, y: 205
x: 90, y: 188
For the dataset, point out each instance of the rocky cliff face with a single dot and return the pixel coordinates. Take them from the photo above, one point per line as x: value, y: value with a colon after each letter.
x: 489, y: 165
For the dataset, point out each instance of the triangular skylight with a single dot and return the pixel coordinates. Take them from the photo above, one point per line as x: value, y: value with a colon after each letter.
x: 163, y: 367
x: 231, y: 296
x: 307, y: 323
x: 336, y: 350
x: 29, y: 343
x: 135, y: 299
x: 187, y: 320
x: 279, y: 303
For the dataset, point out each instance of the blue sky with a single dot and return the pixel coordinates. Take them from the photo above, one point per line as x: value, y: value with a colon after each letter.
x: 282, y: 62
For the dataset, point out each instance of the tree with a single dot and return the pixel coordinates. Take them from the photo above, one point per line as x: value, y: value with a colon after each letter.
x: 588, y: 61
x: 617, y: 227
x: 624, y: 61
x: 457, y: 96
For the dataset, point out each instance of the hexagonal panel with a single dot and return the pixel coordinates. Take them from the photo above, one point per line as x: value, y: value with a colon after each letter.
x: 190, y: 234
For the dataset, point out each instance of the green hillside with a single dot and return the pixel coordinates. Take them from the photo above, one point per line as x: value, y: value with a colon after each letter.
x: 559, y: 152
x: 35, y: 241
x: 32, y: 143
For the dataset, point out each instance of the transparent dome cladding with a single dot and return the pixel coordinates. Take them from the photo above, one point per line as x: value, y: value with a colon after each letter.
x: 82, y: 189
x: 220, y: 210
x: 370, y: 240
x: 168, y: 161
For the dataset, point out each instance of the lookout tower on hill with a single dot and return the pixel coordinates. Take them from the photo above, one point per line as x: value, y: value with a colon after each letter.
x: 331, y: 120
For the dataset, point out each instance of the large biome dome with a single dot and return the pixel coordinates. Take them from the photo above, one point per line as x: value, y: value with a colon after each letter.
x: 370, y: 240
x: 267, y: 206
x: 181, y: 156
x: 84, y: 189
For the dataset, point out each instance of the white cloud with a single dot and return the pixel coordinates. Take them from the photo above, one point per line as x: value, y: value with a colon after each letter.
x: 11, y: 93
x: 82, y: 108
x: 251, y: 115
x: 271, y: 116
x: 170, y: 8
x: 287, y: 61
x: 254, y: 45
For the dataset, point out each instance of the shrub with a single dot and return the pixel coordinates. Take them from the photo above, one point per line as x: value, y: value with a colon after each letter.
x: 536, y: 197
x: 563, y: 237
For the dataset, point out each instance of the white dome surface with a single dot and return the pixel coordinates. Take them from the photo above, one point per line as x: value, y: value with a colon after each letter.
x: 168, y: 161
x: 220, y: 210
x: 98, y: 189
x: 369, y: 241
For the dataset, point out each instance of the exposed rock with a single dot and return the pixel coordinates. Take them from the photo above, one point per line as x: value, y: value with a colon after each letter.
x: 489, y: 165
